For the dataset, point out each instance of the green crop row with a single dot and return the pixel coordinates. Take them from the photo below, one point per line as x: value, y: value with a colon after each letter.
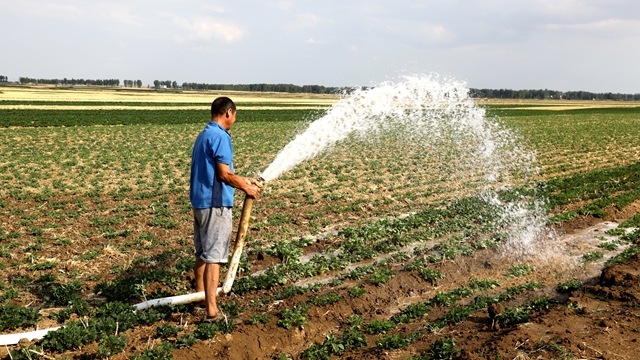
x: 55, y: 118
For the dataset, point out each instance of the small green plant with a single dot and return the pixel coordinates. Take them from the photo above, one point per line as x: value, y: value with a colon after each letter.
x: 609, y: 246
x: 205, y: 331
x: 592, y: 256
x: 382, y: 276
x: 633, y: 222
x: 569, y: 286
x: 396, y: 341
x: 326, y: 299
x: 111, y: 345
x: 482, y: 284
x: 623, y: 256
x: 444, y: 349
x: 431, y: 275
x: 615, y: 232
x: 13, y: 317
x: 232, y: 308
x: 512, y: 316
x: 377, y: 327
x: 257, y: 318
x: 294, y: 317
x: 162, y: 352
x: 356, y: 292
x: 63, y: 294
x: 167, y: 331
x: 47, y: 265
x: 520, y: 270
x: 90, y: 254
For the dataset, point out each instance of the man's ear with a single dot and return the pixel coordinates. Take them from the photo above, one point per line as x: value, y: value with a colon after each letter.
x: 229, y: 112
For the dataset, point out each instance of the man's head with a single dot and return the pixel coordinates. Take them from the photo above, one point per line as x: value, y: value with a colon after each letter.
x: 223, y: 111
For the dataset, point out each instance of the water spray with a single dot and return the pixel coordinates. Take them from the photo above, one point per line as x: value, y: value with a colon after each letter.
x: 435, y: 120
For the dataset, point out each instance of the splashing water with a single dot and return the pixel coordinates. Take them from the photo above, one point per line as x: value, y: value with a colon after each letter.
x: 432, y: 120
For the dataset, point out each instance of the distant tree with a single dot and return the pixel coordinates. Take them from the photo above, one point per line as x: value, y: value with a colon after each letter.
x: 139, y: 83
x: 174, y: 85
x: 156, y: 83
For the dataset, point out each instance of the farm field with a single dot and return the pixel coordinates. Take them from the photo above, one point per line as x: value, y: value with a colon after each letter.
x: 352, y: 254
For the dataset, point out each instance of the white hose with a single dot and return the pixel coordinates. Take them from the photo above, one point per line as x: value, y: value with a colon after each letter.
x: 13, y: 339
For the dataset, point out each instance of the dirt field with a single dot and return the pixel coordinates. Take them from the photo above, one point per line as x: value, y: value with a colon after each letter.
x: 348, y: 256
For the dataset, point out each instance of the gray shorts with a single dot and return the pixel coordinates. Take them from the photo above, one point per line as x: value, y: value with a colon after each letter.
x: 211, y: 234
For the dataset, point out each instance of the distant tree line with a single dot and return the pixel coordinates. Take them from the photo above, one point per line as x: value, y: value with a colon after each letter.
x: 549, y: 94
x: 288, y: 88
x: 132, y: 83
x: 65, y: 81
x: 166, y: 84
x: 3, y: 78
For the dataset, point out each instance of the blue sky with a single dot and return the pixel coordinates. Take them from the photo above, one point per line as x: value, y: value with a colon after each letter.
x: 532, y: 44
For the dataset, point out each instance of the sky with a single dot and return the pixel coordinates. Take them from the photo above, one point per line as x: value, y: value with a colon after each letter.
x: 565, y: 45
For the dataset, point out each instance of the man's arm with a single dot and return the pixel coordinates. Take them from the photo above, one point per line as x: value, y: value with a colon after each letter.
x: 248, y: 185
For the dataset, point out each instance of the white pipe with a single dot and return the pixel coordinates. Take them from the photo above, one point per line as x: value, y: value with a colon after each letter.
x: 12, y: 339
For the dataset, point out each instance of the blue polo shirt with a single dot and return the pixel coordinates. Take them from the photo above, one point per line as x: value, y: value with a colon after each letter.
x: 212, y: 145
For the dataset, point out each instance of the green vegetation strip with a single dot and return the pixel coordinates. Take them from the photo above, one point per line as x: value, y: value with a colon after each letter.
x: 46, y: 118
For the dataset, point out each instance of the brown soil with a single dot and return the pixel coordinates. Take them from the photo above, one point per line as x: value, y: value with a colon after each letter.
x: 601, y: 322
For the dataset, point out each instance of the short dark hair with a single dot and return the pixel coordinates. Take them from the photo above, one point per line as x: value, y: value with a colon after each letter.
x: 220, y: 106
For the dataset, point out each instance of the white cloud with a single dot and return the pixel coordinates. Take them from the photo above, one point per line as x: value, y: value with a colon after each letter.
x: 607, y: 26
x: 313, y: 41
x: 209, y: 29
x: 214, y: 8
x: 311, y: 20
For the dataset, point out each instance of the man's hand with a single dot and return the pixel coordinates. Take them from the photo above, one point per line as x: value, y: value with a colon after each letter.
x: 253, y: 187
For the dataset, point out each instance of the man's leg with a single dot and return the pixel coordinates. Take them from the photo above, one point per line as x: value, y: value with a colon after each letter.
x: 211, y: 280
x: 198, y: 271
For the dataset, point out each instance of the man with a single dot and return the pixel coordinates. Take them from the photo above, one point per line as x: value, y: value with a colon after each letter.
x: 211, y: 189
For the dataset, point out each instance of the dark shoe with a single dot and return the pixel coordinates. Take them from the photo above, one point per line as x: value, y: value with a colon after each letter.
x: 221, y: 317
